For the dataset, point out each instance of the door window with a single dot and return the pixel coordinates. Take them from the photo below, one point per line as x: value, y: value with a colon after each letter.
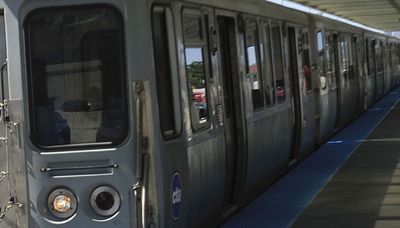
x: 305, y: 59
x: 278, y: 62
x: 195, y: 56
x: 321, y: 60
x: 253, y: 63
x: 267, y: 58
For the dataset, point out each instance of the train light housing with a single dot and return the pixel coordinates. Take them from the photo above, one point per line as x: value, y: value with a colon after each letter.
x: 105, y: 201
x: 62, y: 203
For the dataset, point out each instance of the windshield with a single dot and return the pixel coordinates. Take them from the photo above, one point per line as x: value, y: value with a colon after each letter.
x: 76, y: 75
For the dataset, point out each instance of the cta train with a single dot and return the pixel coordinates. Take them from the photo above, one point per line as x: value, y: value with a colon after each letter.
x: 142, y: 113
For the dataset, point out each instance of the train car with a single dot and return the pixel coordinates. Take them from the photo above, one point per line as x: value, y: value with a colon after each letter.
x: 338, y: 58
x: 161, y: 113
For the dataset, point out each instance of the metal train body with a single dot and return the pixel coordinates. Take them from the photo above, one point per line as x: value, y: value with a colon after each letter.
x: 169, y: 113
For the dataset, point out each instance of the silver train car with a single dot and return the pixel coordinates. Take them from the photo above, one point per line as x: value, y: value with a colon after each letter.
x: 122, y: 113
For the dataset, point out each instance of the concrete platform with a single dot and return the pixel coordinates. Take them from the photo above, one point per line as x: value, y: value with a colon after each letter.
x: 351, y: 181
x: 365, y: 192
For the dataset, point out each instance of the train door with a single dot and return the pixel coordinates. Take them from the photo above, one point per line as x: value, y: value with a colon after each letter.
x: 231, y: 102
x: 295, y: 91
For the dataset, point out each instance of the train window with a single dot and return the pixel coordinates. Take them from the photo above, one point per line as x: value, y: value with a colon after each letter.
x: 166, y: 70
x: 76, y: 76
x: 278, y: 61
x: 252, y: 63
x: 330, y: 62
x: 379, y: 56
x: 371, y: 57
x: 394, y: 56
x: 390, y: 55
x: 305, y: 58
x: 352, y: 49
x: 321, y: 60
x: 343, y: 57
x: 269, y: 78
x: 195, y: 55
x: 368, y: 56
x: 344, y: 54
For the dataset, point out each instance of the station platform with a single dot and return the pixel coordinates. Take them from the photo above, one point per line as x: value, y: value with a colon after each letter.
x: 353, y: 180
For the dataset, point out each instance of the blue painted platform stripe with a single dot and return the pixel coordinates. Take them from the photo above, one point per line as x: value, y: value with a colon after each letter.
x: 283, y: 202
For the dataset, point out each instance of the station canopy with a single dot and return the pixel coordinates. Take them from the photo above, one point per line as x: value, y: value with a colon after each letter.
x: 379, y: 14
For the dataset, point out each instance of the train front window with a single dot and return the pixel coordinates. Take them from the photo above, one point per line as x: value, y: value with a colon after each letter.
x: 76, y: 76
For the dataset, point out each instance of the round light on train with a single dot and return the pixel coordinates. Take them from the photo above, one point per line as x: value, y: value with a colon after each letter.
x: 62, y: 203
x: 105, y: 201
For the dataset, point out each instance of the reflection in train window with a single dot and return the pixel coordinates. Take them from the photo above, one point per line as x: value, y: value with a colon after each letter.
x: 352, y: 56
x: 390, y: 55
x: 344, y: 55
x: 321, y: 62
x: 165, y: 67
x: 278, y: 62
x: 330, y: 62
x: 371, y: 57
x: 195, y: 56
x: 76, y: 74
x: 252, y: 63
x: 269, y: 78
x: 379, y: 56
x: 306, y: 60
x: 192, y: 28
x: 367, y: 47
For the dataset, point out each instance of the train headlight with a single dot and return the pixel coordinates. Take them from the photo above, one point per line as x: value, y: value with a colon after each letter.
x: 105, y: 201
x: 62, y: 203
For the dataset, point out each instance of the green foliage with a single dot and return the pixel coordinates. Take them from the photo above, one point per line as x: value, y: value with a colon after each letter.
x: 195, y: 74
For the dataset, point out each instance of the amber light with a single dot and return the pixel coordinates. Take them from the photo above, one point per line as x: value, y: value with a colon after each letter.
x: 62, y: 203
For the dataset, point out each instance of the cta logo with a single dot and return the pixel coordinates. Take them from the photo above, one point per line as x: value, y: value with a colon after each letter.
x: 176, y: 196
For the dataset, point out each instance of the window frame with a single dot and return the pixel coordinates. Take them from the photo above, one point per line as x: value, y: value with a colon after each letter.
x: 204, y: 45
x: 173, y: 71
x: 32, y: 128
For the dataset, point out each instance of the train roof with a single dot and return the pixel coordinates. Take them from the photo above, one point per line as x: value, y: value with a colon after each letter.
x: 278, y: 12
